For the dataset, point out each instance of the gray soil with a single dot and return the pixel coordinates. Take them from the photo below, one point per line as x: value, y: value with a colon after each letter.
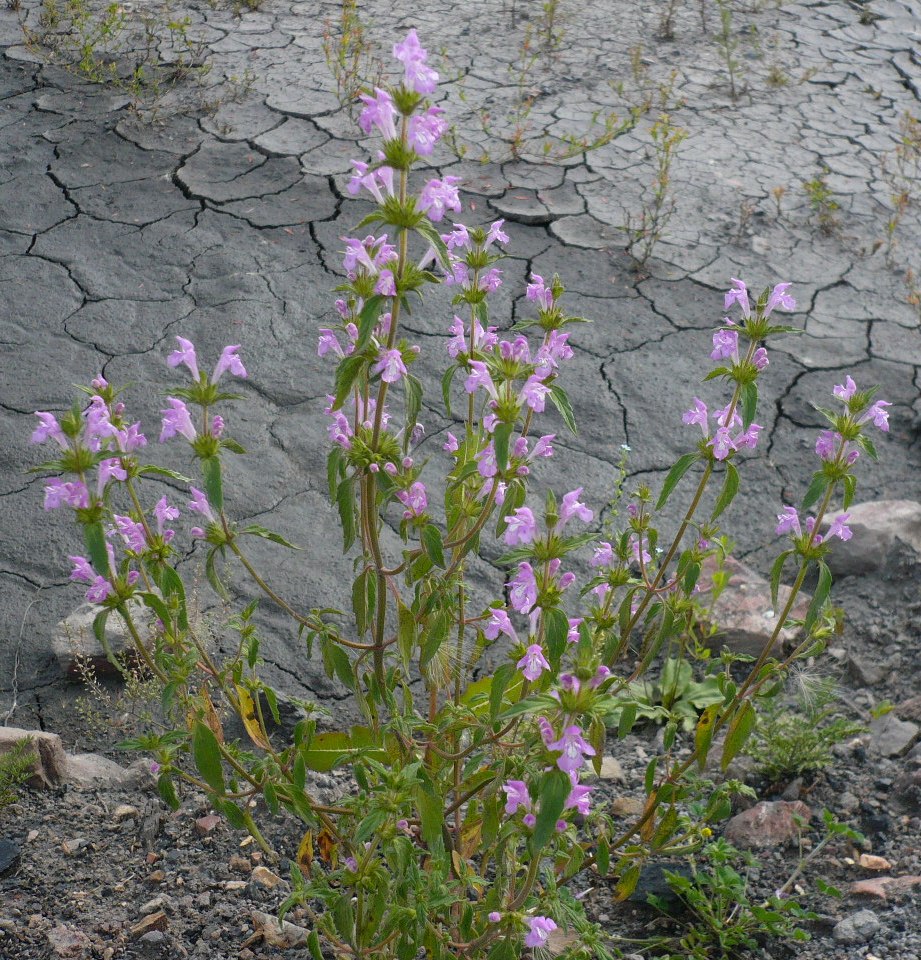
x: 217, y: 215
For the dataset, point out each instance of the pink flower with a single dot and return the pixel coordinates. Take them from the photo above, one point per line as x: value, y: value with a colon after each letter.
x: 779, y: 298
x: 573, y: 635
x: 579, y: 799
x: 878, y: 414
x: 749, y: 438
x: 533, y: 663
x: 328, y: 342
x: 379, y: 112
x: 390, y: 365
x: 48, y: 427
x: 58, y: 493
x: 760, y: 359
x: 439, y: 196
x: 725, y: 345
x: 496, y: 233
x: 826, y: 446
x: 199, y: 504
x: 480, y: 377
x: 425, y: 130
x: 788, y: 521
x: 845, y: 391
x: 414, y: 499
x: 499, y: 623
x: 132, y: 533
x: 534, y: 393
x: 451, y: 445
x: 523, y: 589
x: 229, y: 360
x: 82, y: 571
x: 738, y: 294
x: 185, y: 355
x: 418, y: 76
x: 487, y: 464
x: 108, y: 470
x: 839, y: 529
x: 521, y: 528
x: 539, y: 930
x: 494, y: 916
x: 572, y: 507
x: 698, y: 414
x: 603, y: 555
x: 721, y: 443
x: 176, y: 420
x: 574, y: 748
x: 517, y: 796
x: 539, y: 293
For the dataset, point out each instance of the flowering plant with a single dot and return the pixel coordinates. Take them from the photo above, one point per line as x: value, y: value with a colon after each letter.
x: 471, y: 813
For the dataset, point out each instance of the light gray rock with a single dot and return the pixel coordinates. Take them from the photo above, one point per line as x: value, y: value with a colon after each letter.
x: 860, y: 927
x: 74, y: 642
x: 892, y: 737
x: 49, y: 767
x: 875, y: 526
x: 767, y: 824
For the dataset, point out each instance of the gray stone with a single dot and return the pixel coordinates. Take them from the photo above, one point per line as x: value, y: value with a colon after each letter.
x: 892, y: 737
x: 768, y: 824
x: 74, y: 641
x: 522, y: 206
x: 235, y: 171
x: 292, y: 137
x: 875, y: 526
x: 49, y: 766
x: 92, y: 771
x: 860, y: 927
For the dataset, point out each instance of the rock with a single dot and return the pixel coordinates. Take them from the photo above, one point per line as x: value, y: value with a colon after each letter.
x: 884, y: 888
x: 743, y: 613
x: 910, y: 709
x: 284, y: 935
x: 74, y: 846
x: 152, y: 906
x: 627, y: 807
x: 875, y: 526
x: 265, y: 878
x: 124, y: 811
x: 65, y: 942
x: 559, y: 941
x: 237, y: 864
x: 50, y: 764
x: 154, y: 921
x: 612, y: 770
x: 905, y: 794
x: 155, y: 937
x: 234, y: 886
x: 860, y: 927
x: 870, y: 862
x: 767, y: 824
x: 74, y: 642
x: 865, y: 673
x: 207, y: 825
x: 9, y: 856
x: 156, y: 878
x: 653, y: 882
x: 892, y: 737
x: 91, y: 771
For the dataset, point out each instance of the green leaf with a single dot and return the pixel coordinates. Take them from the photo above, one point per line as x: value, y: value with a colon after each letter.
x: 433, y: 544
x: 369, y: 825
x: 155, y: 603
x: 740, y: 728
x: 99, y: 630
x: 446, y: 380
x: 254, y: 530
x: 406, y: 636
x: 436, y: 636
x: 501, y: 440
x: 429, y: 233
x: 171, y: 585
x: 214, y: 485
x: 627, y: 719
x: 603, y: 856
x: 727, y: 494
x: 555, y: 787
x: 749, y: 404
x: 627, y: 882
x: 328, y: 750
x: 823, y: 587
x: 95, y: 539
x: 164, y: 472
x: 560, y: 400
x: 499, y: 682
x: 167, y: 790
x: 360, y: 600
x: 334, y: 470
x: 703, y: 735
x: 346, y: 374
x: 413, y: 388
x: 431, y: 815
x: 210, y: 572
x: 345, y: 501
x: 674, y: 475
x: 207, y: 756
x: 776, y: 574
x: 816, y: 489
x: 313, y: 945
x: 557, y: 626
x: 850, y: 486
x: 367, y: 320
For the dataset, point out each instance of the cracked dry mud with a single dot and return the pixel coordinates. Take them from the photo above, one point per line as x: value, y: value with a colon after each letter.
x: 116, y: 234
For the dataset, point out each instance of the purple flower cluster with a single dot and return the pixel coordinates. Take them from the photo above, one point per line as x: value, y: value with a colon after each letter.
x: 722, y: 442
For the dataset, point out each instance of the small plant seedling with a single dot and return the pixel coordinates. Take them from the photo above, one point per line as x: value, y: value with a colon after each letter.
x: 15, y: 767
x: 789, y: 742
x: 822, y: 202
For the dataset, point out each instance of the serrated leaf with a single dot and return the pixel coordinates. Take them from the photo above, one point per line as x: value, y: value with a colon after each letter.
x: 627, y: 882
x: 328, y: 750
x: 627, y: 719
x: 333, y: 471
x: 703, y: 735
x: 254, y: 530
x: 207, y: 756
x: 250, y: 718
x: 501, y: 439
x: 95, y: 539
x: 776, y: 574
x: 433, y: 544
x: 164, y: 472
x: 680, y: 468
x: 345, y: 501
x: 727, y: 494
x: 446, y: 380
x: 555, y: 787
x: 560, y: 400
x: 367, y: 320
x: 406, y: 635
x: 816, y: 489
x: 740, y: 728
x: 413, y: 388
x: 228, y: 443
x: 823, y: 588
x: 557, y: 629
x: 346, y: 374
x: 211, y: 573
x: 213, y: 481
x: 749, y: 403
